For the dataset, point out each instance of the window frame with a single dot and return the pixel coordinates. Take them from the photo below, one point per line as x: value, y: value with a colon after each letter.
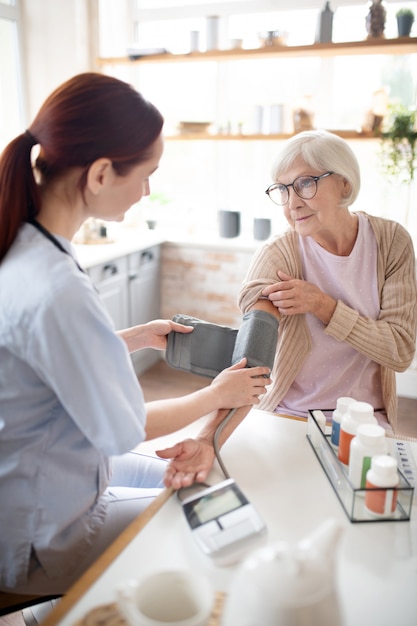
x: 13, y: 13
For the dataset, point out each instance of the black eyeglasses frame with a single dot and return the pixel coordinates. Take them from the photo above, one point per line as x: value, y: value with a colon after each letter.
x: 275, y: 185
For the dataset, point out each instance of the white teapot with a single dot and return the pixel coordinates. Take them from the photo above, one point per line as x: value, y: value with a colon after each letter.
x: 283, y: 585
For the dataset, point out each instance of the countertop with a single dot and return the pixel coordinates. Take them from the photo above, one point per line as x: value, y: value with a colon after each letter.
x: 89, y: 255
x: 133, y: 240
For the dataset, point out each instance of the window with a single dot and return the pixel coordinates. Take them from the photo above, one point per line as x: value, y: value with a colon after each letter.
x: 11, y: 92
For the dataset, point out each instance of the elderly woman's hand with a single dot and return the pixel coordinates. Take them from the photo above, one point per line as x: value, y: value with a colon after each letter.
x: 293, y: 296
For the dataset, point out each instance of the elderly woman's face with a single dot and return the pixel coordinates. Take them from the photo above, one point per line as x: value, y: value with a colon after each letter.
x: 309, y: 216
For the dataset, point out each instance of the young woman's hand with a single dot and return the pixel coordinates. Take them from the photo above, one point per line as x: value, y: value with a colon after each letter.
x: 152, y: 334
x: 158, y: 330
x: 241, y: 386
x: 191, y: 461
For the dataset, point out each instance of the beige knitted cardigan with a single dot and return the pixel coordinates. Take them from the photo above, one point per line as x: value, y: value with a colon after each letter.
x: 389, y: 340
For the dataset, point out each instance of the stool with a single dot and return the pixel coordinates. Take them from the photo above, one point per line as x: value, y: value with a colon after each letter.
x: 12, y: 602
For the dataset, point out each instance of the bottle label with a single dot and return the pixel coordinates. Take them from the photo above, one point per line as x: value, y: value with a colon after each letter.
x: 366, y: 465
x: 381, y: 502
x: 335, y: 433
x: 344, y: 446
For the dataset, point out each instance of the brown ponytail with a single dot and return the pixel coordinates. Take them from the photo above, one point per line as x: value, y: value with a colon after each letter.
x: 19, y: 193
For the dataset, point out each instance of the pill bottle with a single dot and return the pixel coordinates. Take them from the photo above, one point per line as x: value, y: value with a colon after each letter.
x: 342, y: 406
x: 383, y: 473
x: 368, y: 442
x: 358, y: 413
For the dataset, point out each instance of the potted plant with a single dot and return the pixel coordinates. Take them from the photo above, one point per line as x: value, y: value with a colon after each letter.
x: 399, y: 154
x: 405, y: 20
x: 153, y: 207
x: 399, y: 143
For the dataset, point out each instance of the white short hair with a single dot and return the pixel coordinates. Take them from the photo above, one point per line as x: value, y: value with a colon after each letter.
x: 321, y: 150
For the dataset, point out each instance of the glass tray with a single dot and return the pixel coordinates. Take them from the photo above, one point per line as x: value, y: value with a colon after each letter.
x: 351, y: 499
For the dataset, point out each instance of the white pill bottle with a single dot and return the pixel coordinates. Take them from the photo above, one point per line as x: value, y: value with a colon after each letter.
x: 342, y: 406
x: 381, y: 502
x: 369, y: 441
x: 358, y: 413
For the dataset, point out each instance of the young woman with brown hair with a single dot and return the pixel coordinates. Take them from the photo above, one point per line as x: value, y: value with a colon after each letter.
x: 71, y: 407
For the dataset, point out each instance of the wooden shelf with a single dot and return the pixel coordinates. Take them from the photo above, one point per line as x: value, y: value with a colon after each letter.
x: 346, y: 134
x: 401, y: 45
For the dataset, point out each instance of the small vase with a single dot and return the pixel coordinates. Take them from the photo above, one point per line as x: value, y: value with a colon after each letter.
x: 324, y: 28
x: 229, y: 223
x: 404, y: 25
x: 261, y: 228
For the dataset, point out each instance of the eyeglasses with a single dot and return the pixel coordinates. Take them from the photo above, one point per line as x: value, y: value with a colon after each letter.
x: 304, y: 186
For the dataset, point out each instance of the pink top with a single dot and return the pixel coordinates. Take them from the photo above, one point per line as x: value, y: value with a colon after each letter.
x: 333, y: 368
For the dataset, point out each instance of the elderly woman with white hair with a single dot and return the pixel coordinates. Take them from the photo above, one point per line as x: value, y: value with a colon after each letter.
x: 342, y: 284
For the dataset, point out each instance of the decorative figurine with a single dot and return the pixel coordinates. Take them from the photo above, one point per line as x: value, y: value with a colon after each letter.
x: 375, y: 20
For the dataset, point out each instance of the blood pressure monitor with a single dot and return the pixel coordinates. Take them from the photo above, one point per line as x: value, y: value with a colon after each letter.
x: 223, y: 522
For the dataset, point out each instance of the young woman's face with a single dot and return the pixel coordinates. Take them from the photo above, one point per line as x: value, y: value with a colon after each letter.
x: 124, y: 191
x: 309, y: 217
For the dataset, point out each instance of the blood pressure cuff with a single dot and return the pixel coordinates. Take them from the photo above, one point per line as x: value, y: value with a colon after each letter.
x: 206, y: 351
x: 210, y: 348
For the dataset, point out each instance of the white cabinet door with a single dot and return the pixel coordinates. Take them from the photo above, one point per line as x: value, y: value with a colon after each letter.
x: 111, y: 281
x: 144, y: 298
x: 130, y: 290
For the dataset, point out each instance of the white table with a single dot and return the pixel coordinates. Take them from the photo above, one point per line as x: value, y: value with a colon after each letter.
x: 274, y: 464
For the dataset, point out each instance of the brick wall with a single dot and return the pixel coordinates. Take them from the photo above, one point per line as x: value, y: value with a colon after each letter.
x: 203, y: 281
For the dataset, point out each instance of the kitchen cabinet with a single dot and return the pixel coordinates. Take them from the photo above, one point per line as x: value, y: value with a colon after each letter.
x: 375, y: 46
x: 129, y: 287
x: 144, y: 298
x: 111, y: 281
